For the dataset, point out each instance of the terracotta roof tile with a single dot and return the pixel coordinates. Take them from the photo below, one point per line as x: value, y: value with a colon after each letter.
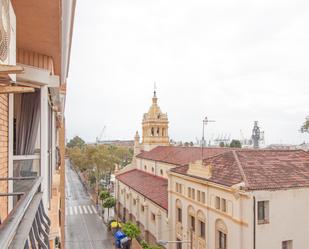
x: 272, y: 169
x: 259, y: 169
x: 152, y: 187
x: 225, y: 170
x: 179, y: 155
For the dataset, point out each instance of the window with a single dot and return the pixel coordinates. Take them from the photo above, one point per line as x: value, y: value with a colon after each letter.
x: 217, y: 202
x: 202, y: 229
x: 134, y: 202
x: 142, y: 208
x: 161, y: 172
x: 179, y: 215
x: 223, y: 205
x: 191, y: 193
x: 178, y: 188
x: 203, y: 197
x: 153, y: 217
x: 288, y: 244
x: 198, y: 195
x: 263, y: 212
x: 145, y: 168
x: 192, y: 223
x: 152, y: 169
x: 222, y: 240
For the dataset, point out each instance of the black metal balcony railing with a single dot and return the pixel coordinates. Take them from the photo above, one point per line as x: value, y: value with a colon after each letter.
x: 27, y: 225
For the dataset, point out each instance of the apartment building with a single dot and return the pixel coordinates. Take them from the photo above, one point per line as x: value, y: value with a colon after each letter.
x: 229, y: 199
x: 35, y: 44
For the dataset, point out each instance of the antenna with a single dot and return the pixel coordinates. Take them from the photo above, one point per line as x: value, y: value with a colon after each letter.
x: 205, y: 122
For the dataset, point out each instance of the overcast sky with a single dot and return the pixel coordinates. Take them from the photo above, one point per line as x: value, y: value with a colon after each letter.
x: 233, y: 61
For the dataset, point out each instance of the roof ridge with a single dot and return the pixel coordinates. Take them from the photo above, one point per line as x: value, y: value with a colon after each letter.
x: 242, y: 172
x: 143, y: 171
x: 121, y: 173
x: 217, y: 155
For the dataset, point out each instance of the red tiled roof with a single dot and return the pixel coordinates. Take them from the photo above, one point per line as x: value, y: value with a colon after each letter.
x: 152, y: 187
x: 179, y: 155
x: 259, y: 169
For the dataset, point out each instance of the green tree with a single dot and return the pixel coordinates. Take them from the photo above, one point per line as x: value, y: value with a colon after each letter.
x: 305, y: 127
x: 98, y: 160
x: 78, y: 158
x: 221, y: 144
x: 76, y: 142
x: 131, y: 230
x: 104, y: 195
x: 235, y: 144
x: 109, y: 202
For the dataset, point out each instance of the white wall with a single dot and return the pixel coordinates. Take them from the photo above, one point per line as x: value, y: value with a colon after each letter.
x: 158, y: 166
x: 288, y: 219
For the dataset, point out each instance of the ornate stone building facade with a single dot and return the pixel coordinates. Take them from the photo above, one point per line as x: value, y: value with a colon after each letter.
x: 229, y: 199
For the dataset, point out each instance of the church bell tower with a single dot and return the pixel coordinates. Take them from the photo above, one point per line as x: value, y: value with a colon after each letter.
x: 155, y: 126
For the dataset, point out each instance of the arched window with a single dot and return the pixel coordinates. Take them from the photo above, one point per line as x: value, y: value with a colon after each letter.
x: 221, y: 234
x: 178, y: 211
x: 163, y: 132
x: 161, y: 172
x: 201, y: 224
x: 145, y: 168
x: 158, y: 131
x: 152, y: 131
x: 191, y: 219
x: 152, y: 169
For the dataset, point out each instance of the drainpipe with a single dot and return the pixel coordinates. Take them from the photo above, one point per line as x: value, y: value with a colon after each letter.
x: 254, y: 223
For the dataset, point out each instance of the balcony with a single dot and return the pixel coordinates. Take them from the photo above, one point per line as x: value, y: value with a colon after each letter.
x: 27, y: 225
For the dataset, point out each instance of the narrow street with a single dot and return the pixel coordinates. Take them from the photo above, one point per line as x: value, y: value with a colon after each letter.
x: 84, y: 227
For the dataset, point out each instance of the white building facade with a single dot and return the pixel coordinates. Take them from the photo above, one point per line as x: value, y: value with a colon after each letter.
x: 232, y: 199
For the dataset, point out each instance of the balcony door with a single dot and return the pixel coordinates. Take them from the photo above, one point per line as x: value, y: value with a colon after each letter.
x: 26, y: 138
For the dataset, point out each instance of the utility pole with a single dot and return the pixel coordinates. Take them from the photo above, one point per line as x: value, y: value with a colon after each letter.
x: 205, y: 122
